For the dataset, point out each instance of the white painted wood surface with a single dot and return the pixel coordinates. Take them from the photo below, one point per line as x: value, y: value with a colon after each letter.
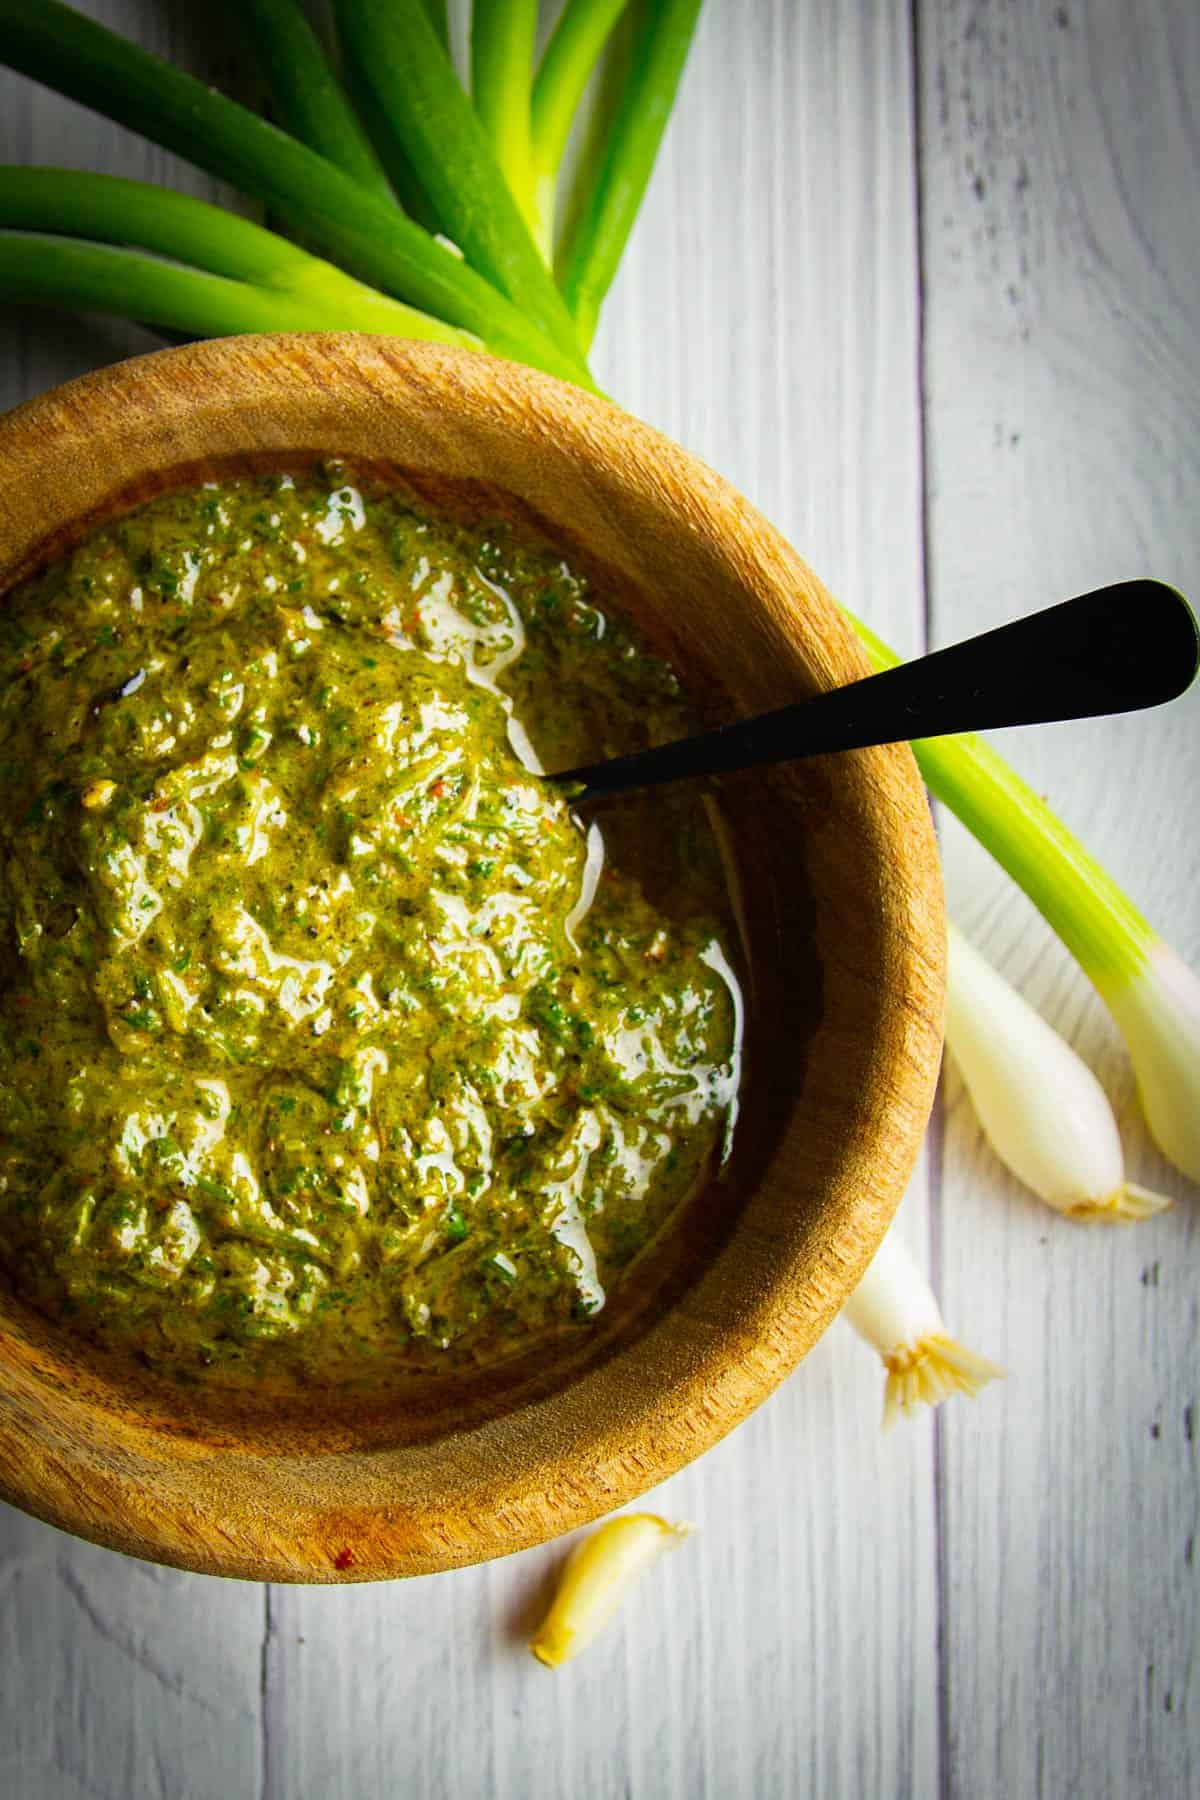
x: 1061, y: 258
x: 930, y: 295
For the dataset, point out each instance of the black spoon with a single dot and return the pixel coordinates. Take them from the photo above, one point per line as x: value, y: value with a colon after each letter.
x: 1123, y: 647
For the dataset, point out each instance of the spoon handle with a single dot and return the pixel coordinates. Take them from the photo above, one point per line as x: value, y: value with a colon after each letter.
x: 1131, y: 645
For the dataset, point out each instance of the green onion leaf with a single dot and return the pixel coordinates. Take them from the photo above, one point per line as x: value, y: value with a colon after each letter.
x: 56, y: 271
x: 97, y: 67
x: 388, y: 148
x: 107, y: 208
x: 583, y: 29
x: 614, y: 189
x: 305, y: 91
x: 436, y: 11
x: 503, y: 37
x: 395, y: 49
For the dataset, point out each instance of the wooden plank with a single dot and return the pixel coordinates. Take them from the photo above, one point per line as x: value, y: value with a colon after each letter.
x: 766, y: 317
x: 116, y: 1679
x: 121, y: 1679
x: 1061, y: 204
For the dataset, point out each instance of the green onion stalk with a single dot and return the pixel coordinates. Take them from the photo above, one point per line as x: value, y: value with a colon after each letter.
x: 437, y: 13
x: 503, y: 39
x: 398, y: 54
x: 1150, y: 991
x: 340, y: 121
x: 568, y: 63
x: 405, y: 186
x: 615, y: 185
x: 99, y: 278
x: 40, y: 207
x: 308, y: 99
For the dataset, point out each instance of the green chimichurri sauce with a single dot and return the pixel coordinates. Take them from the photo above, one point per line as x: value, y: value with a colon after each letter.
x: 328, y: 1034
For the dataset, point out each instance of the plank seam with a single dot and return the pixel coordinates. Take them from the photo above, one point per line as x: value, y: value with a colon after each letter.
x: 935, y: 1137
x: 268, y: 1783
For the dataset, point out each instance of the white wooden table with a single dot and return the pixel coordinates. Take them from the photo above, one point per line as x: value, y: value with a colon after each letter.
x: 925, y: 284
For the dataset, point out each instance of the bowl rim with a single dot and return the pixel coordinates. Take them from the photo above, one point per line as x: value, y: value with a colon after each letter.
x: 102, y: 1494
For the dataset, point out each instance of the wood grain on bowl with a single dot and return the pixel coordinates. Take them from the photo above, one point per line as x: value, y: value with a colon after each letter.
x: 843, y: 908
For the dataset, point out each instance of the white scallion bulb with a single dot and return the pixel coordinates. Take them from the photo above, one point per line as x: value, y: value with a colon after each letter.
x: 894, y: 1309
x: 1041, y: 1108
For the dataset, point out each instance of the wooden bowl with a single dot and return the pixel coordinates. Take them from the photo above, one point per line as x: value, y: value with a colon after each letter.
x: 844, y: 921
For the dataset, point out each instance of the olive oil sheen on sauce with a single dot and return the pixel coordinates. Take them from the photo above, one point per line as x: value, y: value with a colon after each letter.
x: 331, y: 1041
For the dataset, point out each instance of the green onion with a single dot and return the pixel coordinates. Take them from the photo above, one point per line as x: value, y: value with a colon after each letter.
x: 68, y: 203
x: 56, y: 45
x: 601, y: 231
x: 396, y: 51
x: 388, y: 149
x: 306, y: 93
x: 503, y: 36
x: 55, y: 271
x: 583, y: 29
x: 437, y: 13
x: 1152, y: 994
x: 1041, y: 1108
x: 894, y: 1309
x: 1098, y: 923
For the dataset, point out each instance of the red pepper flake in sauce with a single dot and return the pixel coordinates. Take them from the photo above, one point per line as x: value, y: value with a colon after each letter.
x: 344, y: 1558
